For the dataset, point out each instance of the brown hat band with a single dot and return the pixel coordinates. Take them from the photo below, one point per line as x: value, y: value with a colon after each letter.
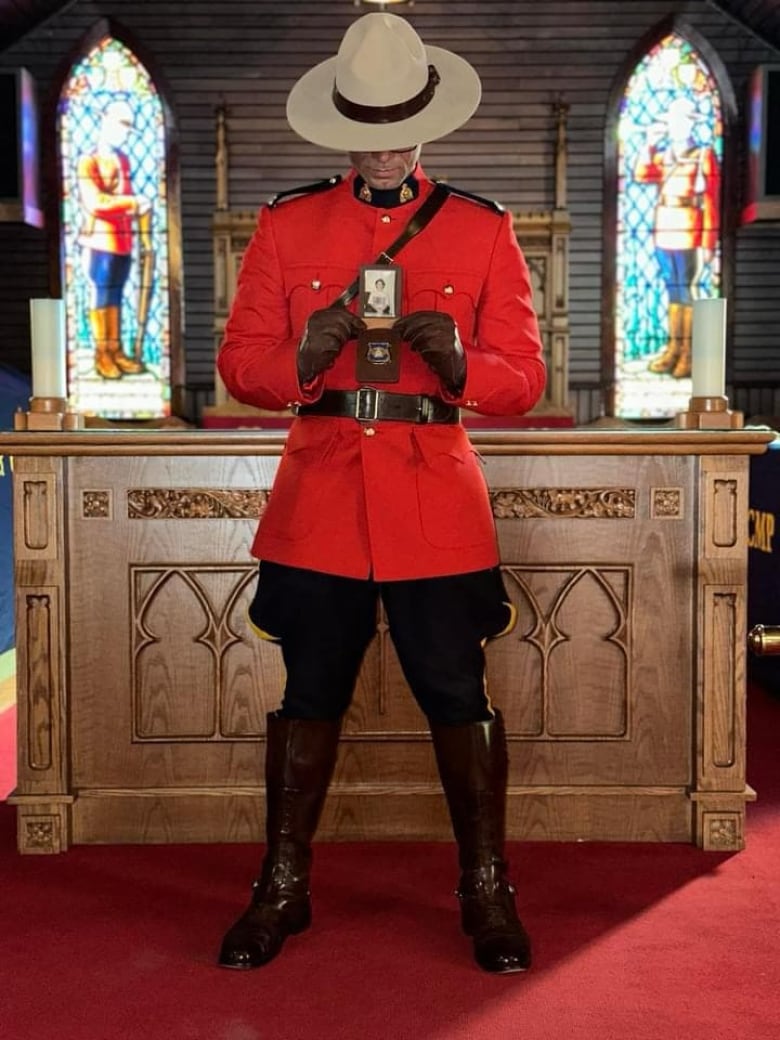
x: 388, y: 113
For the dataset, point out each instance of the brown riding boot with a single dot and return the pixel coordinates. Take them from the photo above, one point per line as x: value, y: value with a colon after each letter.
x: 682, y: 368
x: 299, y: 762
x: 104, y: 362
x: 127, y: 366
x: 667, y: 360
x: 472, y: 762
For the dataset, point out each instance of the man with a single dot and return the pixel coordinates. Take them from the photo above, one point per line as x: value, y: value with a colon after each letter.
x: 379, y: 491
x: 686, y: 222
x: 111, y: 208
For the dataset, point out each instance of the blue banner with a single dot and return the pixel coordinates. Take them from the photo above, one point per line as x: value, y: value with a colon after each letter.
x: 764, y: 557
x: 14, y: 393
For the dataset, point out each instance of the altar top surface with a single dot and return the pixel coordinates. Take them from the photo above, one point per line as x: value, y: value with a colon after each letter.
x: 602, y: 440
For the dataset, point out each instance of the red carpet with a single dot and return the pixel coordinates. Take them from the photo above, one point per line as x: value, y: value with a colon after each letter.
x: 7, y: 751
x: 632, y: 942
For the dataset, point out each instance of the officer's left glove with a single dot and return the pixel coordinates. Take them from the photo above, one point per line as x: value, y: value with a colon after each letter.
x: 434, y: 336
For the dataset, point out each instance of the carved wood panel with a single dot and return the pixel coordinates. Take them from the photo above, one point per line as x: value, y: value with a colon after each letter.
x: 181, y: 689
x: 143, y: 693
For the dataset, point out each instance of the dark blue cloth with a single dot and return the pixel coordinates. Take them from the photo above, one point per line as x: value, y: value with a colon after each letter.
x: 108, y: 272
x: 324, y: 623
x: 14, y: 393
x: 764, y: 557
x: 678, y: 270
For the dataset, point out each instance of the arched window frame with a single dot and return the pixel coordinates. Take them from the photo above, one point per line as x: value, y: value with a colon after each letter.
x: 729, y: 201
x: 52, y: 164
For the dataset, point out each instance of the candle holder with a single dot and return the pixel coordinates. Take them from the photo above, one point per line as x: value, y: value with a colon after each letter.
x: 709, y: 413
x: 48, y: 413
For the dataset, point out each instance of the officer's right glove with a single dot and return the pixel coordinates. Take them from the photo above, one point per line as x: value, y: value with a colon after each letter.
x: 434, y: 336
x: 324, y: 337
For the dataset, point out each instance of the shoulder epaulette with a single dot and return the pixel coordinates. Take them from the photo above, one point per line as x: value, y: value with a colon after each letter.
x: 306, y: 189
x: 489, y: 203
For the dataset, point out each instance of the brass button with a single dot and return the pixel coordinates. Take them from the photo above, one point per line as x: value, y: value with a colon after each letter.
x: 386, y: 218
x: 369, y: 431
x: 316, y: 284
x: 448, y: 290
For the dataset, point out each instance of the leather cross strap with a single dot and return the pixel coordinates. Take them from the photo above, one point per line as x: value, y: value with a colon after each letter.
x: 421, y: 219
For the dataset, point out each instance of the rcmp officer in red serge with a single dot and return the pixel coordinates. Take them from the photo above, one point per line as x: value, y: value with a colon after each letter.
x: 379, y: 492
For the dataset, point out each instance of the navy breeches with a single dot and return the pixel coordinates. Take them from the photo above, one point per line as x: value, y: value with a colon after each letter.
x: 439, y: 627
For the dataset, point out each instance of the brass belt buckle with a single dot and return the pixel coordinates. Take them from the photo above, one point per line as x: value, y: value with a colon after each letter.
x: 367, y: 404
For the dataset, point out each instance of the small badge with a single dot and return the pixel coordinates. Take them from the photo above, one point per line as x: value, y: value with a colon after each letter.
x: 379, y: 353
x: 378, y: 356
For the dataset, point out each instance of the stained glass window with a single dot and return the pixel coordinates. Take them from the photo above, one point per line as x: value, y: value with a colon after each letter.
x: 115, y: 247
x: 670, y: 158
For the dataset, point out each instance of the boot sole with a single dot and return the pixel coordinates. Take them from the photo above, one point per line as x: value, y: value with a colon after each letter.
x: 505, y: 971
x: 297, y: 930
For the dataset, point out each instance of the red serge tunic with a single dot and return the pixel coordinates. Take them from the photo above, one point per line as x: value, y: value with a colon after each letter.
x: 107, y: 194
x: 391, y: 500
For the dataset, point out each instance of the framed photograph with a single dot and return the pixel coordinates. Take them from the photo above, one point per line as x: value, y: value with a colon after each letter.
x: 380, y: 292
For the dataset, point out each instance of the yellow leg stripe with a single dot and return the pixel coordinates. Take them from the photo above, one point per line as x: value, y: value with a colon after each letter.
x: 503, y: 632
x: 259, y: 631
x: 487, y: 693
x: 512, y: 621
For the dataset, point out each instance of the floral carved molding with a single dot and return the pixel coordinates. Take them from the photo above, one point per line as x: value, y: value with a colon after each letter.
x: 249, y: 503
x: 195, y: 504
x: 564, y: 503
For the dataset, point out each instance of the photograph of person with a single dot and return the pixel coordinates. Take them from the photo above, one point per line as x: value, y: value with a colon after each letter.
x: 380, y: 291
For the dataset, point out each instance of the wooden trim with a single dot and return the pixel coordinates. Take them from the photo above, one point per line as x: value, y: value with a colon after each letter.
x: 498, y: 442
x: 628, y: 814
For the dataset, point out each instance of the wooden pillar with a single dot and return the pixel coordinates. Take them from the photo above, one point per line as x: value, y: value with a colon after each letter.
x: 42, y: 798
x: 720, y: 792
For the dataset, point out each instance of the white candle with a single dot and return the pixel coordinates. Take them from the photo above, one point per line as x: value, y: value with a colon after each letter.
x: 47, y: 340
x: 708, y: 349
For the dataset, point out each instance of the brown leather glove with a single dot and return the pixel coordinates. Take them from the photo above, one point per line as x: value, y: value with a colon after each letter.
x: 434, y: 336
x: 325, y: 334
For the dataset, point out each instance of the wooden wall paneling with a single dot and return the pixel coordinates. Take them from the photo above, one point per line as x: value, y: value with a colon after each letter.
x: 248, y: 53
x: 761, y: 402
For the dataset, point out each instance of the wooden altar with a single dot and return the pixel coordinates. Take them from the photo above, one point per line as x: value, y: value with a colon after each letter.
x: 142, y: 692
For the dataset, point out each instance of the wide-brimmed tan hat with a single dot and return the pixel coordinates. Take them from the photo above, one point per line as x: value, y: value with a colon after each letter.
x: 383, y: 90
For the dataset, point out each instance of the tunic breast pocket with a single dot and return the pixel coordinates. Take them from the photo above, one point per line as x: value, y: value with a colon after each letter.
x: 456, y: 294
x: 310, y: 288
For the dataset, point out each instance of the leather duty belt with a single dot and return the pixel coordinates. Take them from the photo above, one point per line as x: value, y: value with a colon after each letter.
x: 370, y: 405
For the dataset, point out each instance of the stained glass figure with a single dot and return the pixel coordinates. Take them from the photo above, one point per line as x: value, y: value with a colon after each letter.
x: 670, y: 156
x: 115, y: 247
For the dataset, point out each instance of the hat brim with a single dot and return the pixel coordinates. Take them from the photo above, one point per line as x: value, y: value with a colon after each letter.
x: 312, y: 114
